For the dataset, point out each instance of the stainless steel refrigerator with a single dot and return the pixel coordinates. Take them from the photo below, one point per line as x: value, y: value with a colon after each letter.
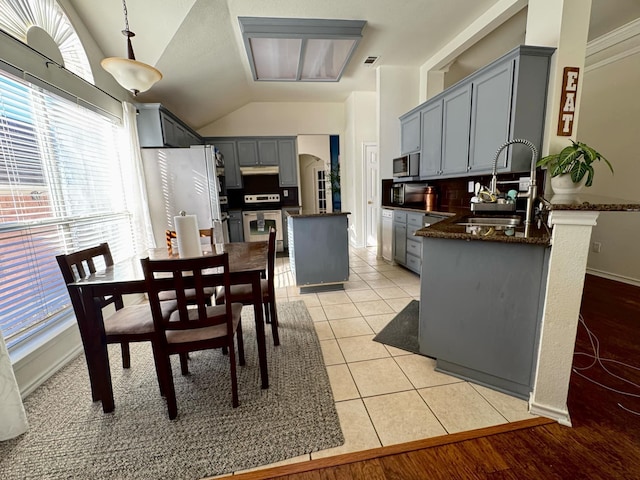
x: 182, y: 179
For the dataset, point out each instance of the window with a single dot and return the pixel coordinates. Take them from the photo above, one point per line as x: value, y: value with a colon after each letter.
x: 62, y: 188
x: 321, y: 191
x: 19, y: 16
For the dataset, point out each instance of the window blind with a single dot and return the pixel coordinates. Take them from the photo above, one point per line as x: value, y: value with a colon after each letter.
x: 61, y: 190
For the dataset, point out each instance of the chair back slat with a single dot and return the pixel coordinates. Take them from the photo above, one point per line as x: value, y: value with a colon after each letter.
x: 78, y: 265
x: 187, y: 273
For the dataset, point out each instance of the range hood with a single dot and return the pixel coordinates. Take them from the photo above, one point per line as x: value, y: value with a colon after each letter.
x: 270, y: 170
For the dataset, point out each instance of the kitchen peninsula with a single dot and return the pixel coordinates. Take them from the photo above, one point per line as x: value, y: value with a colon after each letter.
x: 319, y: 250
x: 501, y: 307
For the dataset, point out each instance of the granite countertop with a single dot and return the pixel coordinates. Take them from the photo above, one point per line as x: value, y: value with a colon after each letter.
x: 308, y: 215
x: 586, y: 201
x: 450, y: 229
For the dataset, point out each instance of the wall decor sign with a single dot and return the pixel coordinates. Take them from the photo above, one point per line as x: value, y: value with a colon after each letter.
x: 568, y: 101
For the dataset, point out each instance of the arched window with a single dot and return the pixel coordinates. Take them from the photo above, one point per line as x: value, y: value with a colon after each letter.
x: 42, y: 22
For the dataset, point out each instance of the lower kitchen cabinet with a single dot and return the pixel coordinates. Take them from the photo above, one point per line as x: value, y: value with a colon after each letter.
x: 400, y: 237
x: 484, y: 311
x: 236, y: 233
x: 407, y: 249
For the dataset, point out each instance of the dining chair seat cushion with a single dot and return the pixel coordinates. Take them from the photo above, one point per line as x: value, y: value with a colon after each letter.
x: 190, y: 293
x: 135, y: 319
x: 205, y: 333
x: 243, y: 293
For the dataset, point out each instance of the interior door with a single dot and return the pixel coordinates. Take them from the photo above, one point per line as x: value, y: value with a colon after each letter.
x: 371, y: 194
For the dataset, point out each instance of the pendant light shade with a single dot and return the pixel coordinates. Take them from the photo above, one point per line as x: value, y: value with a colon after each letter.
x: 133, y: 75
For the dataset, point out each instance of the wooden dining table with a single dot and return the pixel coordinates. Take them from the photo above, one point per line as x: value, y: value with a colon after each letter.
x: 247, y: 264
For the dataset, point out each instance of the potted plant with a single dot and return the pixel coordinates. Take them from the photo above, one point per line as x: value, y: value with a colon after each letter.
x: 572, y: 167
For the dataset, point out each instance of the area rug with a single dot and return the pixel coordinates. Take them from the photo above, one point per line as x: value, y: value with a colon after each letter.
x: 70, y: 436
x: 402, y: 331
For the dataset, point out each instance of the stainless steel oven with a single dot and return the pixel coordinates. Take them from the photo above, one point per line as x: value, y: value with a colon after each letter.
x: 257, y: 222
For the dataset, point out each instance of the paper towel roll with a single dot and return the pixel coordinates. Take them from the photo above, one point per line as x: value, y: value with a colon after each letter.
x: 188, y: 236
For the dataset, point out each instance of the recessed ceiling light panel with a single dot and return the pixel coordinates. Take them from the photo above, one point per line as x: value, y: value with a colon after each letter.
x: 299, y: 49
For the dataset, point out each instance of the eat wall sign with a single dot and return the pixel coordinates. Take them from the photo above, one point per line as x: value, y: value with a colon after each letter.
x: 568, y: 101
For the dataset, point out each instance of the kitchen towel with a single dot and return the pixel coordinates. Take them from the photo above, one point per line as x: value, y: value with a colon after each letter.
x: 188, y: 236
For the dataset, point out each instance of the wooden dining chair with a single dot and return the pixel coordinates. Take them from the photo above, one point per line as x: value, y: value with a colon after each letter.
x: 132, y: 323
x: 244, y: 293
x: 172, y: 236
x: 190, y: 329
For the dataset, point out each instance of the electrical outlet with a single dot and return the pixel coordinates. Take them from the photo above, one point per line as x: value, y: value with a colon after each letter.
x: 523, y: 183
x: 285, y: 193
x: 596, y: 247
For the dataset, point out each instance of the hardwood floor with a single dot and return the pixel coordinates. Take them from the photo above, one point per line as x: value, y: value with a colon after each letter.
x: 604, y: 442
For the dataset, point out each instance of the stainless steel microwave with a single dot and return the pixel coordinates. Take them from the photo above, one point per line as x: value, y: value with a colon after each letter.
x: 407, y: 165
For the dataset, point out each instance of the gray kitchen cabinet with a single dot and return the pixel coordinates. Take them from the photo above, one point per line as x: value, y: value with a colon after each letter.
x: 491, y: 105
x: 268, y: 152
x: 410, y: 133
x: 257, y: 152
x: 247, y: 153
x: 236, y: 233
x: 400, y: 237
x: 157, y: 127
x: 456, y: 106
x: 485, y: 303
x: 288, y: 163
x: 502, y: 101
x: 319, y: 249
x: 233, y: 179
x: 431, y: 153
x: 496, y: 118
x: 413, y: 246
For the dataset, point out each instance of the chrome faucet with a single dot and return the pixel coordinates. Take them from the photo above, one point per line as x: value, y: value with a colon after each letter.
x: 532, y: 190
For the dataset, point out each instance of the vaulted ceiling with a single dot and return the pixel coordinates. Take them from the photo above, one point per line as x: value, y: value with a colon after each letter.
x: 198, y: 47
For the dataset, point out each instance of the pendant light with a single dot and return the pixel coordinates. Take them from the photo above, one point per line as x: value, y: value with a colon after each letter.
x: 128, y: 72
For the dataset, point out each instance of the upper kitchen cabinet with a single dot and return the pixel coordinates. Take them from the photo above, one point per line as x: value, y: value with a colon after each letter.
x: 431, y: 154
x: 257, y: 152
x: 463, y: 127
x: 288, y: 162
x: 410, y: 132
x: 456, y: 106
x: 157, y: 127
x: 247, y: 153
x: 508, y: 102
x: 232, y: 176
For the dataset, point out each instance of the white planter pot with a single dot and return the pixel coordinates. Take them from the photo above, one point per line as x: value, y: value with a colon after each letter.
x: 562, y: 184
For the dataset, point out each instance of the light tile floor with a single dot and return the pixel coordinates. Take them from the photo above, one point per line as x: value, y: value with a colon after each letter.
x: 385, y: 395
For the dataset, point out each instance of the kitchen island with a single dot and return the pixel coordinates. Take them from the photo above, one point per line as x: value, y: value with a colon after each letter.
x: 504, y: 304
x: 319, y: 250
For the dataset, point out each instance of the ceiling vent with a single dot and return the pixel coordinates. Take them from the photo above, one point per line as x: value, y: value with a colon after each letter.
x: 371, y: 61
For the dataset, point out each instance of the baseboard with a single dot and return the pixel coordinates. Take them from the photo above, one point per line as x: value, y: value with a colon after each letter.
x: 42, y: 362
x: 560, y: 416
x: 613, y: 276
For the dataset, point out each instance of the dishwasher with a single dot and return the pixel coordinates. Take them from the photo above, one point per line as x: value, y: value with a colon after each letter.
x: 387, y: 234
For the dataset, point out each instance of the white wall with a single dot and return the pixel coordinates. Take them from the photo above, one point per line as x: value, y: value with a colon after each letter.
x: 279, y: 118
x: 360, y: 120
x: 397, y: 92
x: 609, y: 123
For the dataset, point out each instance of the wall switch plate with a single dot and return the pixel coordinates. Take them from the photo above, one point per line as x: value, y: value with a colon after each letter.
x: 523, y: 183
x: 596, y: 247
x: 285, y: 193
x: 470, y: 186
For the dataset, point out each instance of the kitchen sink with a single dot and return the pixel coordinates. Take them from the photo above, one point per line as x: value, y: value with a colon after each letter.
x: 497, y: 221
